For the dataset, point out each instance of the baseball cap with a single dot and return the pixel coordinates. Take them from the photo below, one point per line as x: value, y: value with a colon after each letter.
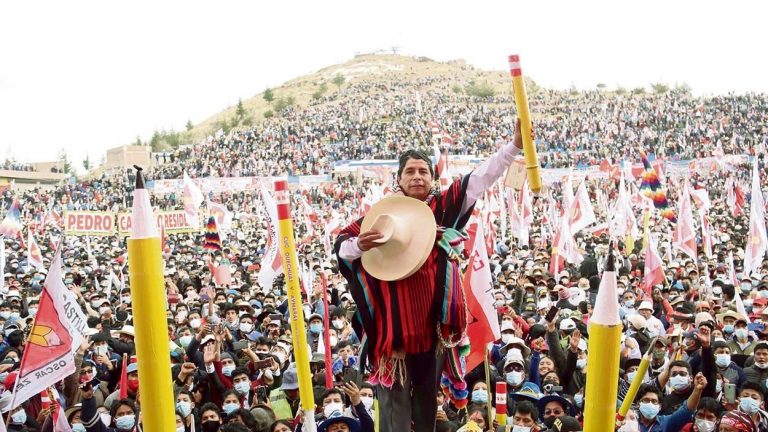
x: 290, y: 380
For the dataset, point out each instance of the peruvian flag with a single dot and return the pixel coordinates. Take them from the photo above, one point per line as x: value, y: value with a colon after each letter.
x: 653, y: 273
x: 483, y: 325
x: 757, y: 240
x: 684, y: 236
x: 581, y: 214
x: 55, y: 337
x: 706, y: 233
x: 34, y: 256
x: 271, y: 265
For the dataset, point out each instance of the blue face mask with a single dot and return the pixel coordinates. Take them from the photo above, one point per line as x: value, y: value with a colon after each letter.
x: 514, y: 378
x: 579, y: 399
x: 242, y: 387
x: 741, y: 333
x: 480, y: 396
x: 184, y: 408
x: 126, y: 422
x: 78, y: 427
x: 679, y: 382
x: 316, y: 328
x: 229, y: 408
x: 19, y: 417
x: 749, y: 405
x: 728, y: 328
x: 649, y: 411
x: 631, y: 376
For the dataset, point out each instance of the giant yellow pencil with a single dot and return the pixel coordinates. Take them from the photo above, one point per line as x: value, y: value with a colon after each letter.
x: 296, y: 312
x: 145, y: 264
x: 524, y: 114
x: 603, y: 357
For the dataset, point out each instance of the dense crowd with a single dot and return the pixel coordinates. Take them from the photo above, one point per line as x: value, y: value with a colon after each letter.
x: 233, y: 367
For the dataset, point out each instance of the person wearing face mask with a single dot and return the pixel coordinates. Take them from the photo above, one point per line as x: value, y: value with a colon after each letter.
x: 742, y: 345
x: 123, y: 414
x: 649, y: 405
x: 133, y: 387
x: 751, y: 401
x: 705, y: 419
x: 514, y: 371
x: 552, y: 407
x: 107, y: 364
x: 185, y: 407
x: 210, y: 419
x: 725, y: 366
x: 679, y: 384
x: 19, y: 419
x: 523, y: 418
x: 758, y: 372
x: 246, y: 329
x: 314, y: 331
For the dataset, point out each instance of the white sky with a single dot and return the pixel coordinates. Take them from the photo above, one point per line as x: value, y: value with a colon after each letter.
x: 90, y: 75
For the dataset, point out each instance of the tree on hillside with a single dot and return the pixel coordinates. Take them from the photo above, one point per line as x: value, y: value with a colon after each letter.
x: 138, y: 141
x: 240, y: 112
x: 87, y: 163
x: 638, y: 90
x: 189, y: 125
x: 682, y: 88
x: 620, y: 90
x: 320, y: 91
x: 601, y: 86
x: 482, y: 90
x: 659, y: 88
x: 339, y: 80
x: 269, y: 95
x: 64, y: 163
x: 284, y: 102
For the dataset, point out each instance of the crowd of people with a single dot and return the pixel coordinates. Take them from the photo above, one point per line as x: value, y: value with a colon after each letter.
x: 233, y: 366
x: 12, y: 165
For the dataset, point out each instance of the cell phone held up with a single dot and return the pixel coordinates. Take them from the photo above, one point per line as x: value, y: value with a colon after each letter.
x: 552, y: 313
x: 263, y: 364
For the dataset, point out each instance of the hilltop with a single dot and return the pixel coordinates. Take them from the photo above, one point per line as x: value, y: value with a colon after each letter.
x: 364, y: 68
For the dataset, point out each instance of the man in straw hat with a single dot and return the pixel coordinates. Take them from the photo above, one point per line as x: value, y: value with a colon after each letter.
x: 402, y: 265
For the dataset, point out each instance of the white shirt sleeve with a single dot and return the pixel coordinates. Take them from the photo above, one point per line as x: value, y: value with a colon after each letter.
x: 349, y: 249
x: 487, y: 173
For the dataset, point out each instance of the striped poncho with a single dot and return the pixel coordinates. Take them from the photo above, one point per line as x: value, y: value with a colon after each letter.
x: 414, y: 314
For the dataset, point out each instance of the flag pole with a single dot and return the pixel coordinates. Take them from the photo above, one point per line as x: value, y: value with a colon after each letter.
x: 145, y: 266
x: 488, y: 383
x: 291, y: 269
x: 523, y: 112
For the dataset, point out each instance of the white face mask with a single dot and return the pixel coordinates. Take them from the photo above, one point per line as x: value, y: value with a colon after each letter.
x: 506, y: 338
x: 333, y: 407
x: 705, y: 425
x: 367, y: 402
x: 521, y: 428
x: 195, y: 323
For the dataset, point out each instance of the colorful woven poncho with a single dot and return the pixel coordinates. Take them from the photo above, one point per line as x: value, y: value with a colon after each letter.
x: 651, y: 187
x: 212, y: 240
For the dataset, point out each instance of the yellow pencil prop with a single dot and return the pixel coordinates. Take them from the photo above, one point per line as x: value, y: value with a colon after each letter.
x: 296, y: 312
x: 148, y: 297
x: 524, y: 114
x: 603, y: 355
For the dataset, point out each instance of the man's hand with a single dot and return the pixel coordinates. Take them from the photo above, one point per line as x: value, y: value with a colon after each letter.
x: 704, y: 337
x: 441, y: 416
x: 518, y: 140
x: 573, y: 344
x: 352, y: 391
x: 367, y: 240
x: 187, y: 369
x: 699, y: 381
x: 209, y: 353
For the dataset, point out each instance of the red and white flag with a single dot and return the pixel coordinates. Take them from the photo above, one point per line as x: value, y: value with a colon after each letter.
x: 192, y: 197
x: 271, y: 263
x: 623, y: 223
x: 757, y: 240
x: 581, y: 214
x: 701, y: 199
x: 34, y: 256
x: 653, y: 273
x: 443, y: 171
x: 734, y: 197
x: 483, y: 325
x: 57, y: 333
x: 684, y: 236
x: 706, y: 234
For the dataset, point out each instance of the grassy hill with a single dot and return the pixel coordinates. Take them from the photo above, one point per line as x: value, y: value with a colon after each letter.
x: 369, y: 68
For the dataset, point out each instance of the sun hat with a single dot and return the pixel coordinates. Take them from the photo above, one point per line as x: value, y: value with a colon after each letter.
x: 409, y: 230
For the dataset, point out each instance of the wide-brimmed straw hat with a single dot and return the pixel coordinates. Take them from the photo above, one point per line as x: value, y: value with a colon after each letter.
x: 409, y: 230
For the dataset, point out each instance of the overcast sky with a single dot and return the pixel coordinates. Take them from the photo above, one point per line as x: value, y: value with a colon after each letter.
x: 86, y: 76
